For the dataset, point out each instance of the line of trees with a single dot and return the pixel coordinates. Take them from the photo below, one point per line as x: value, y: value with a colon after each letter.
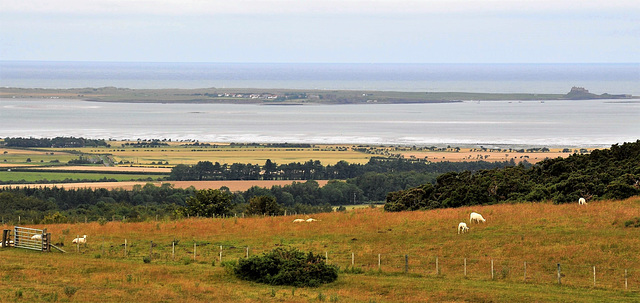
x: 612, y: 173
x: 56, y: 142
x: 314, y: 170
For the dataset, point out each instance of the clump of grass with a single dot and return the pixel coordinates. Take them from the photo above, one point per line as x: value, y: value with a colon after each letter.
x: 353, y: 270
x: 635, y: 222
x: 102, y: 221
x: 146, y: 259
x: 69, y: 291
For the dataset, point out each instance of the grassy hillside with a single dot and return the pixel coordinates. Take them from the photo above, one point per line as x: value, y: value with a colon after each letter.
x: 600, y: 234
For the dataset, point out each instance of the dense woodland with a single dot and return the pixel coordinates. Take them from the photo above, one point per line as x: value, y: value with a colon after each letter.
x: 603, y: 174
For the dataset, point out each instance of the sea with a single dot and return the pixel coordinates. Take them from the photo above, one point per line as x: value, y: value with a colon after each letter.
x: 584, y: 123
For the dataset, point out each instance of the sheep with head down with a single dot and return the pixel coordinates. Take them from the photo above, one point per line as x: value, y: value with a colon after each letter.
x: 462, y: 228
x: 476, y: 217
x: 582, y: 201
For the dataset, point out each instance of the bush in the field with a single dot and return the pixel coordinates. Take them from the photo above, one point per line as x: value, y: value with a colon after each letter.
x: 286, y: 266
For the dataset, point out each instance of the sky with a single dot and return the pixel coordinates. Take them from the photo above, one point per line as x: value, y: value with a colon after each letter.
x: 321, y: 31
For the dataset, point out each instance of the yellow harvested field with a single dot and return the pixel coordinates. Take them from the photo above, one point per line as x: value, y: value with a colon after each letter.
x: 468, y: 155
x: 110, y: 169
x: 223, y: 153
x: 17, y: 166
x: 233, y: 185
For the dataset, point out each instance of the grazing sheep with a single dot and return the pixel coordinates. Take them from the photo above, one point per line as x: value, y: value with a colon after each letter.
x: 476, y: 217
x: 82, y: 240
x: 462, y: 228
x: 582, y: 201
x: 10, y: 243
x: 311, y: 220
x: 298, y: 220
x: 36, y: 237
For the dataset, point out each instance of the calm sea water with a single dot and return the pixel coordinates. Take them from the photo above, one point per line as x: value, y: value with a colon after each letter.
x: 507, y: 78
x: 596, y: 123
x: 552, y: 123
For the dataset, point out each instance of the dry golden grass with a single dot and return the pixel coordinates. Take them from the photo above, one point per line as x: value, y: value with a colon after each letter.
x: 541, y: 234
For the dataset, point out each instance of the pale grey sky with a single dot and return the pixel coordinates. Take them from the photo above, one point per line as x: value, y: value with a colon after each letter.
x: 344, y: 31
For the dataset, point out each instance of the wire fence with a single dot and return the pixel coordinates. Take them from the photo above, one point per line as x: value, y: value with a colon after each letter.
x: 579, y: 275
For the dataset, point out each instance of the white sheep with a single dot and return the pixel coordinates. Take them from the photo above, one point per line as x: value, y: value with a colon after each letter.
x: 298, y: 220
x: 311, y: 220
x: 82, y: 240
x: 10, y: 243
x: 476, y: 217
x: 462, y: 228
x: 582, y: 201
x: 36, y: 237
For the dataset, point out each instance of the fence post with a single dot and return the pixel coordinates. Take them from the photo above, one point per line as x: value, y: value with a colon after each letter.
x: 437, y: 269
x: 173, y: 250
x: 125, y: 248
x: 465, y: 267
x: 492, y: 276
x: 220, y: 253
x: 379, y: 268
x: 559, y: 275
x: 594, y: 276
x: 353, y: 259
x: 194, y: 251
x: 625, y: 280
x: 406, y: 263
x: 326, y: 256
x: 247, y: 252
x: 5, y: 238
x: 525, y: 271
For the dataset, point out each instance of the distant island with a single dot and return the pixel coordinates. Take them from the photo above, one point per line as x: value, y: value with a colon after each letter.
x: 284, y: 96
x: 580, y: 93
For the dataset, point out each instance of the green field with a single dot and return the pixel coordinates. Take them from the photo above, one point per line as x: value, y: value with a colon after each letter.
x: 541, y: 234
x: 37, y: 176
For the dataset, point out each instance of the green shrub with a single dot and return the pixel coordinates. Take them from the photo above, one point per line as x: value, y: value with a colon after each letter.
x: 286, y: 266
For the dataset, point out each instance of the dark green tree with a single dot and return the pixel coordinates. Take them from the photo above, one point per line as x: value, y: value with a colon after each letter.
x: 209, y: 203
x: 264, y: 205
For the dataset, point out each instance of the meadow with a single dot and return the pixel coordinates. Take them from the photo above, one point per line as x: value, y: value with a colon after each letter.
x: 540, y: 234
